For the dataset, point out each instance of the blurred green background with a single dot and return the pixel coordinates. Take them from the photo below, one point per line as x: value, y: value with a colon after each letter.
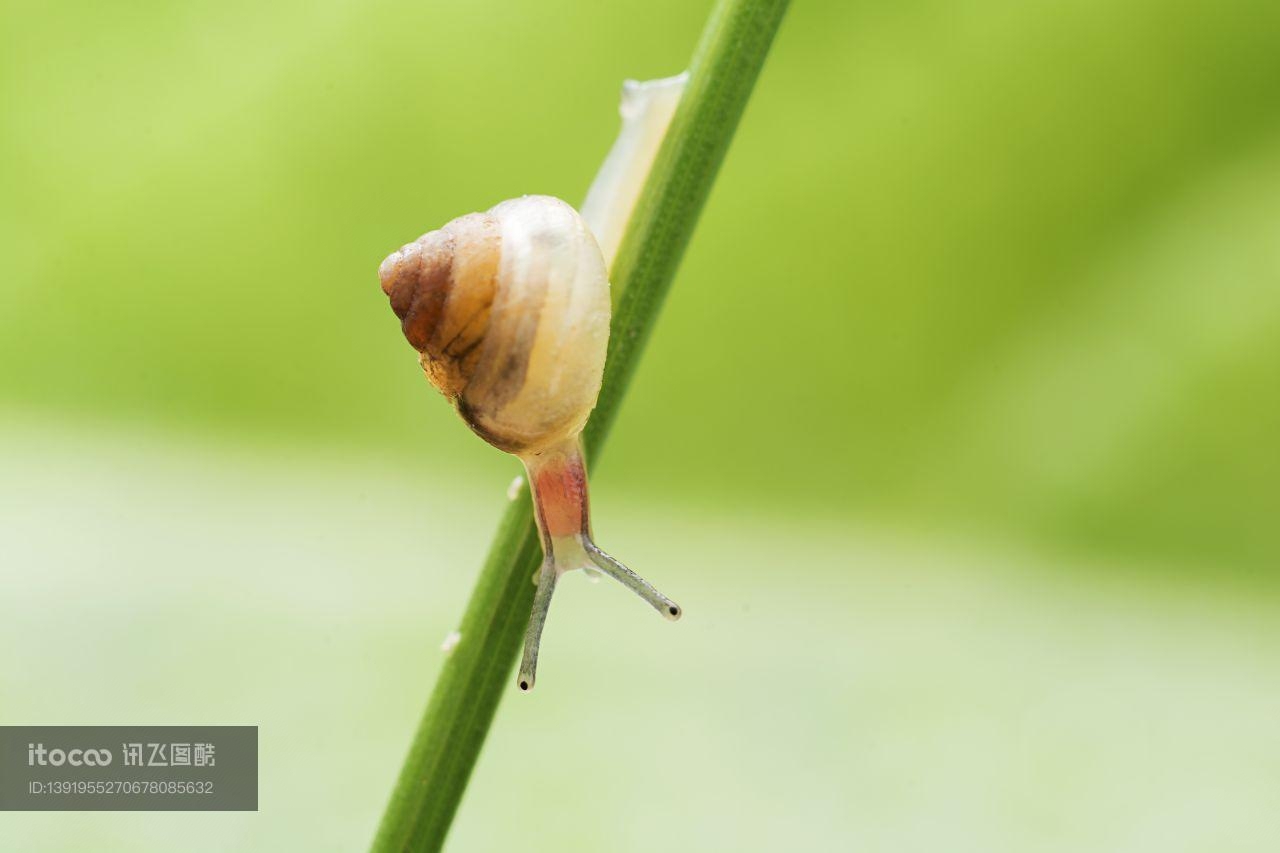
x: 957, y: 439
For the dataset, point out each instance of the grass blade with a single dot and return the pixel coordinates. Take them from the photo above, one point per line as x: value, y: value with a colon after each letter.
x: 478, y: 671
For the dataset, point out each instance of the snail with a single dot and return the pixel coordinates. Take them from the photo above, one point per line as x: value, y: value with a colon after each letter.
x: 509, y: 312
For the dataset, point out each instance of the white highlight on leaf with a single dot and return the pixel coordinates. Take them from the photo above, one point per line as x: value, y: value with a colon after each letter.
x: 513, y: 490
x: 451, y: 641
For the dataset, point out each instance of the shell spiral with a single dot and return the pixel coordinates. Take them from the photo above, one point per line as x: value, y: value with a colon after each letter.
x: 509, y: 312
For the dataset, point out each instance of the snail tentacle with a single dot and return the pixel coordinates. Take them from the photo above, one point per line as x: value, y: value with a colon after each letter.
x: 632, y: 581
x: 537, y: 620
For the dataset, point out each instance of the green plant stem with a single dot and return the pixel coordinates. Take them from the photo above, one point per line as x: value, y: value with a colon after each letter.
x: 478, y: 671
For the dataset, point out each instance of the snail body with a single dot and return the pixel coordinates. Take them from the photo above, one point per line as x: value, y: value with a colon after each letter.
x: 509, y: 312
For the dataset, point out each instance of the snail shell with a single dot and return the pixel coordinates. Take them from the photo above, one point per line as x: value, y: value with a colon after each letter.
x: 509, y: 312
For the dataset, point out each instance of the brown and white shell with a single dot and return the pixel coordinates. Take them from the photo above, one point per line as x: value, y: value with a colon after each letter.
x: 509, y: 312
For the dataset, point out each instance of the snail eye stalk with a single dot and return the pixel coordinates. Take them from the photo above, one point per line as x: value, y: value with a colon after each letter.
x: 558, y: 481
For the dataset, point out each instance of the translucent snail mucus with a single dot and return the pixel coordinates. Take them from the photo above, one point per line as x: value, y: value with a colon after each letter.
x: 509, y: 313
